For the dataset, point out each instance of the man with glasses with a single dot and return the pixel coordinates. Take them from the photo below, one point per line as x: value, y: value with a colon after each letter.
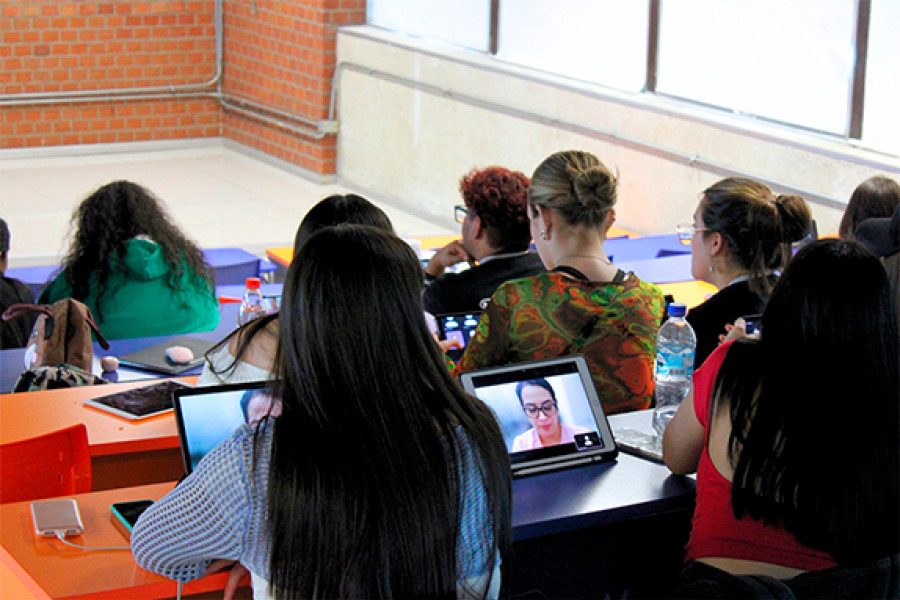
x: 495, y: 241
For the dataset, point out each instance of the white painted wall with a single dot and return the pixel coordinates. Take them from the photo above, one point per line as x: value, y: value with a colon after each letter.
x: 415, y: 116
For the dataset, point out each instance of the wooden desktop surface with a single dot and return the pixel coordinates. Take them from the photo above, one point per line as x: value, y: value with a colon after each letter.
x: 47, y: 566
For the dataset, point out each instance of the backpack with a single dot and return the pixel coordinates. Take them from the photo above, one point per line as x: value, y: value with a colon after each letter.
x: 61, y: 334
x: 54, y: 378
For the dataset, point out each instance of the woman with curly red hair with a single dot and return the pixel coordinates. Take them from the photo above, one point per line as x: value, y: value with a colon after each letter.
x: 495, y: 241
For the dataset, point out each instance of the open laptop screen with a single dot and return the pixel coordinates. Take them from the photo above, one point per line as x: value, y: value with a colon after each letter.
x: 548, y: 412
x: 208, y: 415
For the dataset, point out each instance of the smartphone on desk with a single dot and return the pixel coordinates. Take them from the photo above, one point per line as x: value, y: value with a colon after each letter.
x: 128, y: 512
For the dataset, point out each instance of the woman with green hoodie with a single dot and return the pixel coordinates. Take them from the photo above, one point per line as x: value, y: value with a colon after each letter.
x: 133, y: 268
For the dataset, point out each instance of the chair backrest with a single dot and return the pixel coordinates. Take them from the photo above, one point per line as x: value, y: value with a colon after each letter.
x: 55, y: 464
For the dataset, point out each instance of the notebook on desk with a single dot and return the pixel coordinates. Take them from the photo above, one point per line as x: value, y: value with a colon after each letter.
x: 559, y: 421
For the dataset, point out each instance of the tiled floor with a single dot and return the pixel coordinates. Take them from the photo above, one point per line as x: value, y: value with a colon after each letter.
x: 219, y: 196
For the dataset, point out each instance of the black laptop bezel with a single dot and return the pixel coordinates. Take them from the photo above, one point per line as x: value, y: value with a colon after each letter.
x: 204, y: 390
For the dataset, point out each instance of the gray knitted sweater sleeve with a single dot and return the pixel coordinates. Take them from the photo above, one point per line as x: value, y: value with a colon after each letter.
x: 219, y: 511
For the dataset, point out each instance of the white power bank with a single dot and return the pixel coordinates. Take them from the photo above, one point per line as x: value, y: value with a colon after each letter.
x: 54, y: 517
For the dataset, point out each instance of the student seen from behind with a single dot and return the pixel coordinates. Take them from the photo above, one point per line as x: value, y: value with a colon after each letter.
x: 495, y: 241
x: 136, y: 271
x: 13, y: 333
x: 247, y: 354
x: 794, y: 436
x: 380, y: 478
x: 584, y: 304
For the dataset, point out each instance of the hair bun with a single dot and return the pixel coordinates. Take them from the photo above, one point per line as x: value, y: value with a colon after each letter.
x: 796, y: 218
x: 595, y: 186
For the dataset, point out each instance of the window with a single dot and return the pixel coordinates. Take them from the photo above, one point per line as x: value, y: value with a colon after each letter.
x: 786, y: 60
x: 464, y: 23
x: 881, y: 124
x: 601, y: 41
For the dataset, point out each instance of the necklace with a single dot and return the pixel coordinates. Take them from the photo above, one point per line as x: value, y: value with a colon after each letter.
x: 601, y: 258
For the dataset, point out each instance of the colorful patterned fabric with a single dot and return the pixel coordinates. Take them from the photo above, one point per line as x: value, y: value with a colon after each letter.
x: 612, y: 324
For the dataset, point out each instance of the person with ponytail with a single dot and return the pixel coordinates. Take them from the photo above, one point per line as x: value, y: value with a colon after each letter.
x: 740, y: 239
x: 583, y: 304
x: 380, y: 477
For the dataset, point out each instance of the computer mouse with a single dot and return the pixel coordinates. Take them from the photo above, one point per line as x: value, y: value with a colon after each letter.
x: 179, y: 355
x: 109, y: 363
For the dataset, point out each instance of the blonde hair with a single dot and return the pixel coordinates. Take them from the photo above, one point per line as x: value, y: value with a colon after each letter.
x: 576, y: 185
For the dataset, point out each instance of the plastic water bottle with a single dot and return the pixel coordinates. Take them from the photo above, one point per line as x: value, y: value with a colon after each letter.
x: 675, y: 347
x: 253, y: 304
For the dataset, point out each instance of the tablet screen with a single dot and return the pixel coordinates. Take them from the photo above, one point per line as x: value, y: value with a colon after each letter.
x: 139, y: 403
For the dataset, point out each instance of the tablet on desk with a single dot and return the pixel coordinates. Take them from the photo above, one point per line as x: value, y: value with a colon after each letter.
x: 139, y: 403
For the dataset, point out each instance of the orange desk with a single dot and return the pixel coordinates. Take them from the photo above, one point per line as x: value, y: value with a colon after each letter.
x: 691, y: 293
x: 122, y: 452
x: 283, y: 255
x: 46, y: 568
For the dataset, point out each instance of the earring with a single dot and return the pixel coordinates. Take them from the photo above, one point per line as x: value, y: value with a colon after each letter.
x: 545, y: 235
x: 711, y: 270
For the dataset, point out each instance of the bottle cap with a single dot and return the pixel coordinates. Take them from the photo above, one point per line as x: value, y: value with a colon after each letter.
x: 253, y: 283
x: 677, y: 309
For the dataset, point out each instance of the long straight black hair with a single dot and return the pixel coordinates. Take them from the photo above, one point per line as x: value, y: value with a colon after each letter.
x: 331, y: 210
x: 814, y: 407
x: 367, y: 458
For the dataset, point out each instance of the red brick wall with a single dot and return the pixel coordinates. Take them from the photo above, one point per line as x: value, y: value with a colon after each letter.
x: 67, y: 45
x: 281, y: 54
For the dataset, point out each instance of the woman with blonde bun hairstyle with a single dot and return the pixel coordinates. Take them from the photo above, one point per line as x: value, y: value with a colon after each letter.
x: 583, y: 304
x: 740, y: 240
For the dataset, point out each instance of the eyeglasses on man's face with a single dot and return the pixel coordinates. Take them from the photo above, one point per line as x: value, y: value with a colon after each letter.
x: 460, y: 213
x: 686, y: 232
x: 548, y: 408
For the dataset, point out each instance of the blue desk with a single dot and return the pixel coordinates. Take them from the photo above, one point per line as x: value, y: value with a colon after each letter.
x: 644, y: 248
x: 671, y: 269
x: 581, y: 532
x: 230, y: 266
x: 35, y: 278
x: 12, y: 361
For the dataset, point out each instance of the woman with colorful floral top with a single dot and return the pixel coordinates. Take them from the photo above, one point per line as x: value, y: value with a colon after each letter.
x: 583, y: 304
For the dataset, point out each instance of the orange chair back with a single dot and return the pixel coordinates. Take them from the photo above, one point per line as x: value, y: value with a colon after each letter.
x: 55, y: 464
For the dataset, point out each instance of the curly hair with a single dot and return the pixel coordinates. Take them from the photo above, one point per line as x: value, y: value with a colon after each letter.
x: 499, y: 197
x: 114, y: 214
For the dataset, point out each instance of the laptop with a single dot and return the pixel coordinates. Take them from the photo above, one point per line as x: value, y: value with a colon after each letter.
x: 207, y: 415
x: 566, y: 427
x: 457, y: 326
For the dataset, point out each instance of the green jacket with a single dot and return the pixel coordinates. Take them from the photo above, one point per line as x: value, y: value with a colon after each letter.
x: 139, y: 301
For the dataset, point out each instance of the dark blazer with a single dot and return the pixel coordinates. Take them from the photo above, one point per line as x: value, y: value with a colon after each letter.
x: 462, y: 292
x: 709, y: 319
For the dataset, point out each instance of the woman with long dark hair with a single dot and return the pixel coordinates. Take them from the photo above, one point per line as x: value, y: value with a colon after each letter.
x: 132, y: 266
x: 247, y: 354
x: 380, y: 477
x: 794, y: 437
